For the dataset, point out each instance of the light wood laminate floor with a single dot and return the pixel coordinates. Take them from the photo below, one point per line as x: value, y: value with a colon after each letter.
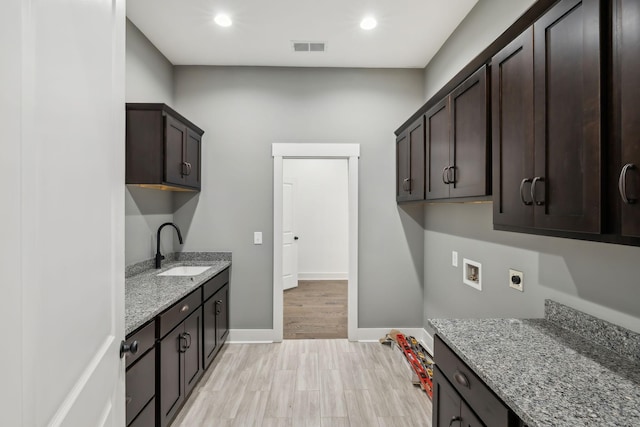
x: 316, y: 309
x: 305, y: 383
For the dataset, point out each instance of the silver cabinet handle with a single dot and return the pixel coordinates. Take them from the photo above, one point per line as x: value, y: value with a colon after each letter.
x: 522, y: 183
x: 188, y: 168
x: 451, y: 169
x: 454, y: 420
x: 445, y: 175
x: 184, y: 308
x: 622, y: 184
x: 461, y: 379
x: 406, y: 184
x: 533, y: 190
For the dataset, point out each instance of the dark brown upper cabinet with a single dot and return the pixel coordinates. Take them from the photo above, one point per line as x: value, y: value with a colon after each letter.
x: 512, y: 131
x: 163, y: 148
x: 548, y: 143
x: 626, y: 91
x: 458, y: 157
x: 410, y: 163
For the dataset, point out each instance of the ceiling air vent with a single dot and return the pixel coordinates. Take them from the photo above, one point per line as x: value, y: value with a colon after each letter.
x: 309, y: 46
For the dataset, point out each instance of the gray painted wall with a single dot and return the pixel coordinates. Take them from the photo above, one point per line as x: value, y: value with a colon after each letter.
x: 149, y: 78
x: 243, y: 111
x: 486, y: 21
x: 598, y: 278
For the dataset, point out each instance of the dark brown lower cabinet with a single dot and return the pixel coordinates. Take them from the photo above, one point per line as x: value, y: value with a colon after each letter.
x: 140, y: 378
x: 216, y: 323
x: 147, y: 417
x: 461, y: 398
x: 180, y: 365
x: 448, y: 407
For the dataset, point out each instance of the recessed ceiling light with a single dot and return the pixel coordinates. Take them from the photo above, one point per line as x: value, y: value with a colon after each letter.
x: 223, y: 20
x: 368, y: 23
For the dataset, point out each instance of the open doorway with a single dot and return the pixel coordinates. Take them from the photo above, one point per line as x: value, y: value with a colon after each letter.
x: 315, y: 248
x: 349, y: 153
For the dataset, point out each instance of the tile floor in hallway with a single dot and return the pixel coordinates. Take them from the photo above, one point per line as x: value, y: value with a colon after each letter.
x: 303, y: 383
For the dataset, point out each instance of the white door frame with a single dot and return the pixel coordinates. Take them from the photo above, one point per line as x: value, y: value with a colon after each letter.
x: 351, y: 152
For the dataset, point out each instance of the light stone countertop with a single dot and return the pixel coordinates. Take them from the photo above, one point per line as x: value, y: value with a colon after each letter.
x: 147, y: 294
x: 548, y: 375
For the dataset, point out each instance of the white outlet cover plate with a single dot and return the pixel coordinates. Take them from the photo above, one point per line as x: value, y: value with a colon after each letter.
x: 519, y: 287
x: 454, y: 258
x: 257, y: 238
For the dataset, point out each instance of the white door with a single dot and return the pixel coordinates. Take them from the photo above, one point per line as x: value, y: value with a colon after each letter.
x: 289, y: 239
x: 63, y: 64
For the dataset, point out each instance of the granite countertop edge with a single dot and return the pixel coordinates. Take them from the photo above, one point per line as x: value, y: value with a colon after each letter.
x: 568, y: 344
x: 147, y: 294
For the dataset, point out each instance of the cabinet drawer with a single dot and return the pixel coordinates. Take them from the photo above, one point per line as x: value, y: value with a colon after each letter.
x: 480, y: 397
x: 140, y: 385
x: 146, y: 338
x: 147, y: 417
x: 178, y: 312
x: 215, y: 283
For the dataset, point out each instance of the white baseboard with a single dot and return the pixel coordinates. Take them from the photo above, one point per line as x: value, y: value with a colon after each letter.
x: 374, y: 334
x: 256, y: 336
x: 253, y: 336
x: 323, y: 276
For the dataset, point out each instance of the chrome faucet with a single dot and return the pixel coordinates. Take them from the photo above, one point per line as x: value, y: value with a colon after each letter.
x: 159, y: 256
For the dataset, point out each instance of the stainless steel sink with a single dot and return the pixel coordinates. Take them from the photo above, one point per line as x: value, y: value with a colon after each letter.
x: 185, y: 270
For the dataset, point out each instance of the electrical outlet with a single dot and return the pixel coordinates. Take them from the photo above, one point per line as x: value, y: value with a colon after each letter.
x: 516, y: 280
x: 454, y: 258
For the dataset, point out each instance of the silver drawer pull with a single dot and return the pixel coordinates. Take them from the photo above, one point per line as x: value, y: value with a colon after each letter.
x: 461, y: 379
x: 184, y: 308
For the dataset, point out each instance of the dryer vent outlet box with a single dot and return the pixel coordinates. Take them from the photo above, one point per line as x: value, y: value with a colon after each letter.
x: 472, y: 274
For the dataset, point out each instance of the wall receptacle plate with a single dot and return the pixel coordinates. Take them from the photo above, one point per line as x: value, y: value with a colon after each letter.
x: 454, y: 258
x: 472, y: 273
x: 516, y: 280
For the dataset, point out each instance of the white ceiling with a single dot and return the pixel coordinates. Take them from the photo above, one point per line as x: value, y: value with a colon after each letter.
x: 408, y: 34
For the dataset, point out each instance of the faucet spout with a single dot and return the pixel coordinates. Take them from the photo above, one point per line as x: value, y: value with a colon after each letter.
x: 159, y: 256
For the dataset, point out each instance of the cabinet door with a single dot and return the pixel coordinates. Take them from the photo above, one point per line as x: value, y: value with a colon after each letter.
x: 209, y: 340
x: 140, y: 385
x: 175, y: 137
x: 446, y: 402
x: 403, y: 172
x: 627, y: 91
x: 192, y: 157
x: 468, y: 418
x: 567, y: 188
x: 222, y: 315
x: 171, y: 373
x: 437, y: 158
x: 469, y: 149
x: 192, y: 356
x: 410, y: 162
x: 512, y: 116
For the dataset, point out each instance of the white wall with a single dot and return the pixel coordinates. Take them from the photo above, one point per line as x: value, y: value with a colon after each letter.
x: 243, y: 110
x: 149, y: 78
x: 598, y: 278
x: 320, y: 216
x: 11, y: 364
